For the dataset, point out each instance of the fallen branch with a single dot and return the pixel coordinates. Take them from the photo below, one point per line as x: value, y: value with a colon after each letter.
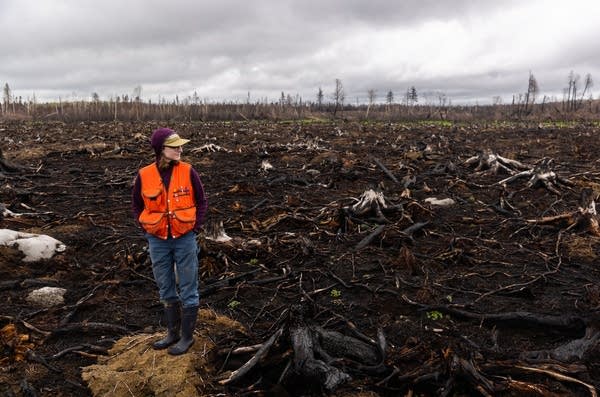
x: 76, y: 349
x: 260, y: 354
x: 560, y: 377
x: 89, y: 327
x: 384, y: 168
x: 26, y: 325
x: 522, y: 318
x: 367, y: 240
x: 8, y: 166
x: 228, y: 282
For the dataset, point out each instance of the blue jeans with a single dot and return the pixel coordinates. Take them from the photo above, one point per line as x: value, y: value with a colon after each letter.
x: 164, y: 254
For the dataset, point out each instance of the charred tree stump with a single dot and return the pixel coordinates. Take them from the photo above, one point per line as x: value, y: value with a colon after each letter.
x: 322, y: 359
x: 307, y: 365
x: 540, y: 175
x: 319, y: 353
x: 492, y: 162
x: 585, y: 217
x: 370, y: 207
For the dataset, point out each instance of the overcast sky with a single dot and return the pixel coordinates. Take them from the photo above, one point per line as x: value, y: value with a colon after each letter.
x: 225, y: 50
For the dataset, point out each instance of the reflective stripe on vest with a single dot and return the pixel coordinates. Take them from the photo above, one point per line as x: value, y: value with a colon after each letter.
x: 173, y: 211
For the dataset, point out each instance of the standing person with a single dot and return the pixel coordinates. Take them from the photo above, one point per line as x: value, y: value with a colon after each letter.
x: 169, y: 204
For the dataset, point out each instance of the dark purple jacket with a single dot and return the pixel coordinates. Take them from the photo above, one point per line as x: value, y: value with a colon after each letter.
x: 137, y: 202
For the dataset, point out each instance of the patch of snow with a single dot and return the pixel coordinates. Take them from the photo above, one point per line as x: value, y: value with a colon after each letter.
x: 34, y: 246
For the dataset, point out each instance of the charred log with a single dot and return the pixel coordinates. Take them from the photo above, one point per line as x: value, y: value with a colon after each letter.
x: 522, y: 318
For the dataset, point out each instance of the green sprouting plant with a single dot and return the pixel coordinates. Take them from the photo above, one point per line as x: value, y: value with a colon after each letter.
x: 335, y: 293
x: 233, y: 304
x: 435, y: 315
x: 254, y: 261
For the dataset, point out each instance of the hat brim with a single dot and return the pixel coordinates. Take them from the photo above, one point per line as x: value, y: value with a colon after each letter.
x: 175, y: 140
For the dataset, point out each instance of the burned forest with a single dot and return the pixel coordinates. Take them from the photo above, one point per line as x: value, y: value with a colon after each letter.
x: 338, y: 258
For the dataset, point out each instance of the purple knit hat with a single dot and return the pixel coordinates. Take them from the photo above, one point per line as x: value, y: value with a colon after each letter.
x: 165, y: 137
x: 158, y: 139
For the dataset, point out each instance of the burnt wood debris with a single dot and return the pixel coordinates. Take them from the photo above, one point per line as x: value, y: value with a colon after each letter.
x: 384, y: 258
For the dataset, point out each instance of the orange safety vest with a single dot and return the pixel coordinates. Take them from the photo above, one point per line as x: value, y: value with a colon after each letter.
x: 171, y: 211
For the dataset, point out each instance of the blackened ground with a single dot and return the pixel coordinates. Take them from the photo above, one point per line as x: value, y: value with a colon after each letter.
x: 288, y: 220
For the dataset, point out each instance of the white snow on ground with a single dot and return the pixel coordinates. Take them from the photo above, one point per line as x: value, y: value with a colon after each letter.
x: 34, y: 246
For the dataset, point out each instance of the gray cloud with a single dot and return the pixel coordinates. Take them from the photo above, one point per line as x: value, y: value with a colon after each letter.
x: 468, y: 49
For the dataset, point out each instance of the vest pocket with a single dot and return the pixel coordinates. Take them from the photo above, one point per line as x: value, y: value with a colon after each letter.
x: 183, y: 220
x: 152, y: 221
x: 153, y: 199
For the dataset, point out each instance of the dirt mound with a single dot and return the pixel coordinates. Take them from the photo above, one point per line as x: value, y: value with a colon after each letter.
x: 134, y: 368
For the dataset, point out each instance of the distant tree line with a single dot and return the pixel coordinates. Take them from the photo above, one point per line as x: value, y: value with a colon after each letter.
x: 577, y: 103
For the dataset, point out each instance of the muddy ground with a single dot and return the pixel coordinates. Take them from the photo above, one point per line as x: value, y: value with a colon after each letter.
x: 480, y: 299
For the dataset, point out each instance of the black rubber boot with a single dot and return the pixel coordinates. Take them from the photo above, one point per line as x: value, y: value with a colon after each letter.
x: 173, y: 316
x: 188, y: 325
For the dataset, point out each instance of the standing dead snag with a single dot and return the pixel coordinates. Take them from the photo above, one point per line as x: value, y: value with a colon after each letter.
x: 540, y: 175
x: 585, y: 217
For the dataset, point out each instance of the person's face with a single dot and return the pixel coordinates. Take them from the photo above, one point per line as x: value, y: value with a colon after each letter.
x: 172, y: 152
